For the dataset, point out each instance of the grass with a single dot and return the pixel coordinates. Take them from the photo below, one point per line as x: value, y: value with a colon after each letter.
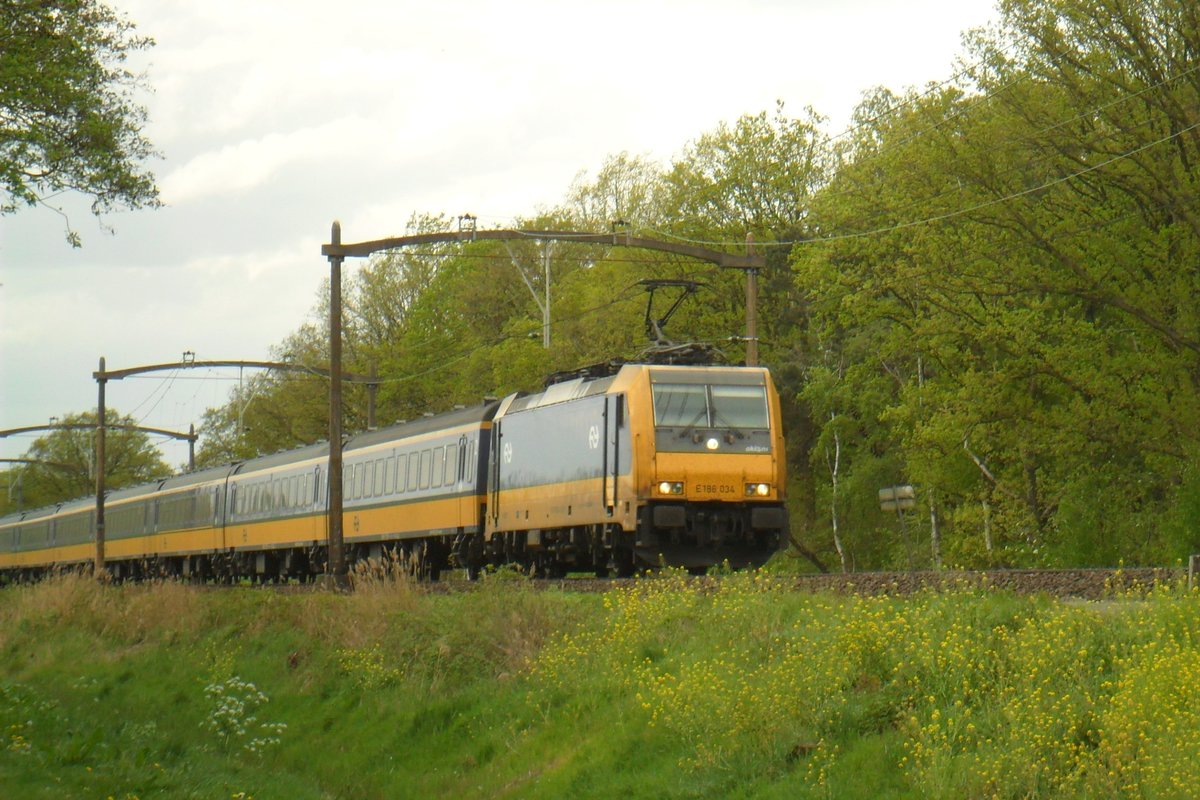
x: 657, y: 689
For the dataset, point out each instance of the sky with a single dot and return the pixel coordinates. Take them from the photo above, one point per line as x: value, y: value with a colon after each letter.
x: 273, y: 118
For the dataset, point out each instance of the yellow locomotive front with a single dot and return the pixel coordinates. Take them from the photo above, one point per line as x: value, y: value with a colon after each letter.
x: 710, y: 466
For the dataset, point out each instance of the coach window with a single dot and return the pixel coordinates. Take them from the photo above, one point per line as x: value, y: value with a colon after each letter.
x: 426, y: 467
x: 389, y: 473
x: 414, y: 470
x: 439, y: 467
x: 451, y: 464
x: 368, y: 478
x: 380, y: 474
x: 358, y: 481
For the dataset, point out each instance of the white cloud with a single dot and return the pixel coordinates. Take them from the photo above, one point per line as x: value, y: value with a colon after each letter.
x: 252, y: 162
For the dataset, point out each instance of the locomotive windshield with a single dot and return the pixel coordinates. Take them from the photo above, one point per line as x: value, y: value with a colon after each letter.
x: 710, y: 406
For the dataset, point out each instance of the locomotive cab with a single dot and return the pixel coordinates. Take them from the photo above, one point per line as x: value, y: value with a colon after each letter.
x: 714, y: 479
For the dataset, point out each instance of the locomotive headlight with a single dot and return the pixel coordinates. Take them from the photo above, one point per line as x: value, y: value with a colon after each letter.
x: 713, y: 444
x: 758, y: 489
x: 670, y: 487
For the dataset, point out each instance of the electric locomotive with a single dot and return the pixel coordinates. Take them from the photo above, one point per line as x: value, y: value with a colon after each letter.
x: 651, y: 465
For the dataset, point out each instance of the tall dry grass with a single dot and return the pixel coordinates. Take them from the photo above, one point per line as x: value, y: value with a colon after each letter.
x: 126, y: 613
x: 382, y: 592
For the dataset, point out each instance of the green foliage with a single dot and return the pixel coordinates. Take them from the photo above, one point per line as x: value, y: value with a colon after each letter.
x: 757, y: 176
x: 1005, y: 260
x: 68, y: 118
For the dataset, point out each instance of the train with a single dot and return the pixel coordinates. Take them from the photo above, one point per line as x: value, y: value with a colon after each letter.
x: 649, y: 465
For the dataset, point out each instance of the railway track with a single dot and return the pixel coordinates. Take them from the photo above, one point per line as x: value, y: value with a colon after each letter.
x: 1085, y: 584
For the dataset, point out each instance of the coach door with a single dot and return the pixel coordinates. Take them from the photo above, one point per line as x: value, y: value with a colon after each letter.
x: 456, y: 468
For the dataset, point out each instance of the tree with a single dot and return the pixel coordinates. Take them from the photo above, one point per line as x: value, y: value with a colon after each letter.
x: 68, y: 456
x: 1018, y: 254
x: 68, y: 118
x: 626, y: 189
